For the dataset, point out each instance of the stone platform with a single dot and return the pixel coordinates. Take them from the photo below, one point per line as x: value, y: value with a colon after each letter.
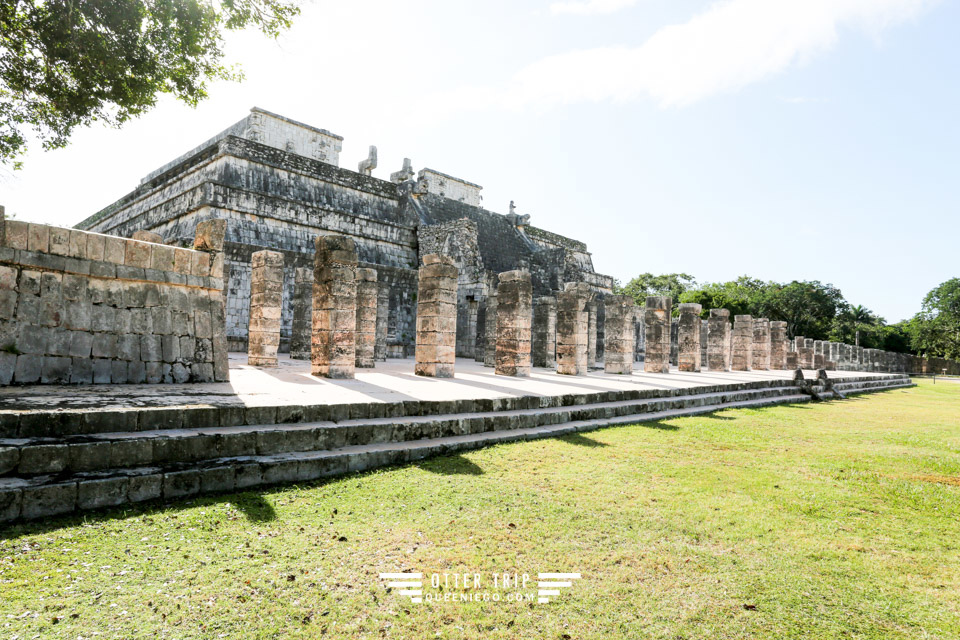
x: 392, y: 381
x: 87, y: 447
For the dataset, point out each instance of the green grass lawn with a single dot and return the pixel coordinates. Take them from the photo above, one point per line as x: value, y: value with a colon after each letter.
x: 830, y: 520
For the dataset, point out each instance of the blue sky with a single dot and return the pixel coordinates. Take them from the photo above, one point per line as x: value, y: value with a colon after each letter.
x: 783, y: 139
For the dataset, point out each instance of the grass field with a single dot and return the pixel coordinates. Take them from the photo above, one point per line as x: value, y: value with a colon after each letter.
x: 830, y: 520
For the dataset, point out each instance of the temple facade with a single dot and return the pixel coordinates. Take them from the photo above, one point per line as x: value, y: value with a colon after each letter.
x: 278, y: 186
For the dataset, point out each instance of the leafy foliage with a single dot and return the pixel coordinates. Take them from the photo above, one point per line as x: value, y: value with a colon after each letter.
x: 67, y: 63
x: 935, y: 331
x: 810, y: 308
x: 648, y: 284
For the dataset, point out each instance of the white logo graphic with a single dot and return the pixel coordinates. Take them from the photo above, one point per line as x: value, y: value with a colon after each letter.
x: 507, y: 586
x: 409, y: 584
x: 549, y: 584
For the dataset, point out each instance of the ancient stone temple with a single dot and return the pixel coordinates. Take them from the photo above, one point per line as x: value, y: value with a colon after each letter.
x: 277, y: 185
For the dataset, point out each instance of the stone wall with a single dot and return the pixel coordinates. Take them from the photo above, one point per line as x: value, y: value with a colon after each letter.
x: 79, y: 307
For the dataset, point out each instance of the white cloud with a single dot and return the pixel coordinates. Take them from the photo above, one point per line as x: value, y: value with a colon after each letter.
x: 730, y: 45
x: 590, y: 7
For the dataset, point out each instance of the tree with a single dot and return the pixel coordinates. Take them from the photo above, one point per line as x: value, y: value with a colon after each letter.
x: 858, y: 316
x: 808, y: 307
x: 647, y: 284
x: 936, y: 329
x: 68, y: 63
x: 741, y: 296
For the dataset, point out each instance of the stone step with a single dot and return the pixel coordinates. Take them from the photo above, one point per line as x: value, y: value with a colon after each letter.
x: 49, y: 495
x: 71, y: 454
x: 875, y: 388
x: 18, y: 420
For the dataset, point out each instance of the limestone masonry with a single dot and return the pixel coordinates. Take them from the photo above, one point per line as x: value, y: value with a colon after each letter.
x: 277, y: 185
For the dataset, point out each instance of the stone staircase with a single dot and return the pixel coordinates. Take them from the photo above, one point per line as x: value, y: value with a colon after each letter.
x: 54, y: 462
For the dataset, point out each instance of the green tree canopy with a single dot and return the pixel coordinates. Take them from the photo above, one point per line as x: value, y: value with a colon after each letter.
x: 740, y: 296
x: 67, y: 63
x: 647, y: 284
x: 808, y: 308
x: 935, y: 331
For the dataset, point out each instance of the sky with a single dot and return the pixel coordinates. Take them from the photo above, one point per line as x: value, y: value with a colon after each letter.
x: 781, y: 139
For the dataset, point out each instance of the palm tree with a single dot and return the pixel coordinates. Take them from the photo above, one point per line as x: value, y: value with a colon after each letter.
x: 859, y: 315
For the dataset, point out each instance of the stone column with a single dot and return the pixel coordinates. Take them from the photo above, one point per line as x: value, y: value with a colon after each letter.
x: 718, y: 328
x: 793, y: 360
x: 805, y: 352
x: 742, y: 343
x: 572, y: 326
x: 468, y: 342
x: 688, y: 337
x: 266, y: 303
x: 835, y: 353
x: 545, y: 332
x: 779, y: 345
x: 366, y: 336
x: 618, y: 334
x: 210, y: 236
x: 302, y: 312
x: 514, y: 324
x: 592, y: 334
x: 333, y: 350
x: 703, y: 343
x: 383, y: 318
x: 761, y: 345
x: 490, y: 331
x: 675, y: 342
x: 656, y: 322
x: 436, y: 317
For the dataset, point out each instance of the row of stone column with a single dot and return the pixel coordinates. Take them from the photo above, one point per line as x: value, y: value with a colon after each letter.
x: 347, y: 310
x: 750, y: 344
x: 336, y: 310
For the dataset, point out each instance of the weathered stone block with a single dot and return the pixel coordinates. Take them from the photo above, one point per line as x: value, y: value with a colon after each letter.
x: 572, y: 327
x: 333, y: 349
x: 366, y: 321
x: 514, y: 324
x: 436, y: 317
x: 104, y: 492
x: 49, y: 500
x: 742, y: 343
x: 266, y: 302
x: 177, y: 484
x: 545, y: 332
x: 718, y: 333
x: 144, y: 487
x: 656, y: 320
x: 619, y: 334
x: 688, y: 338
x: 760, y: 359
